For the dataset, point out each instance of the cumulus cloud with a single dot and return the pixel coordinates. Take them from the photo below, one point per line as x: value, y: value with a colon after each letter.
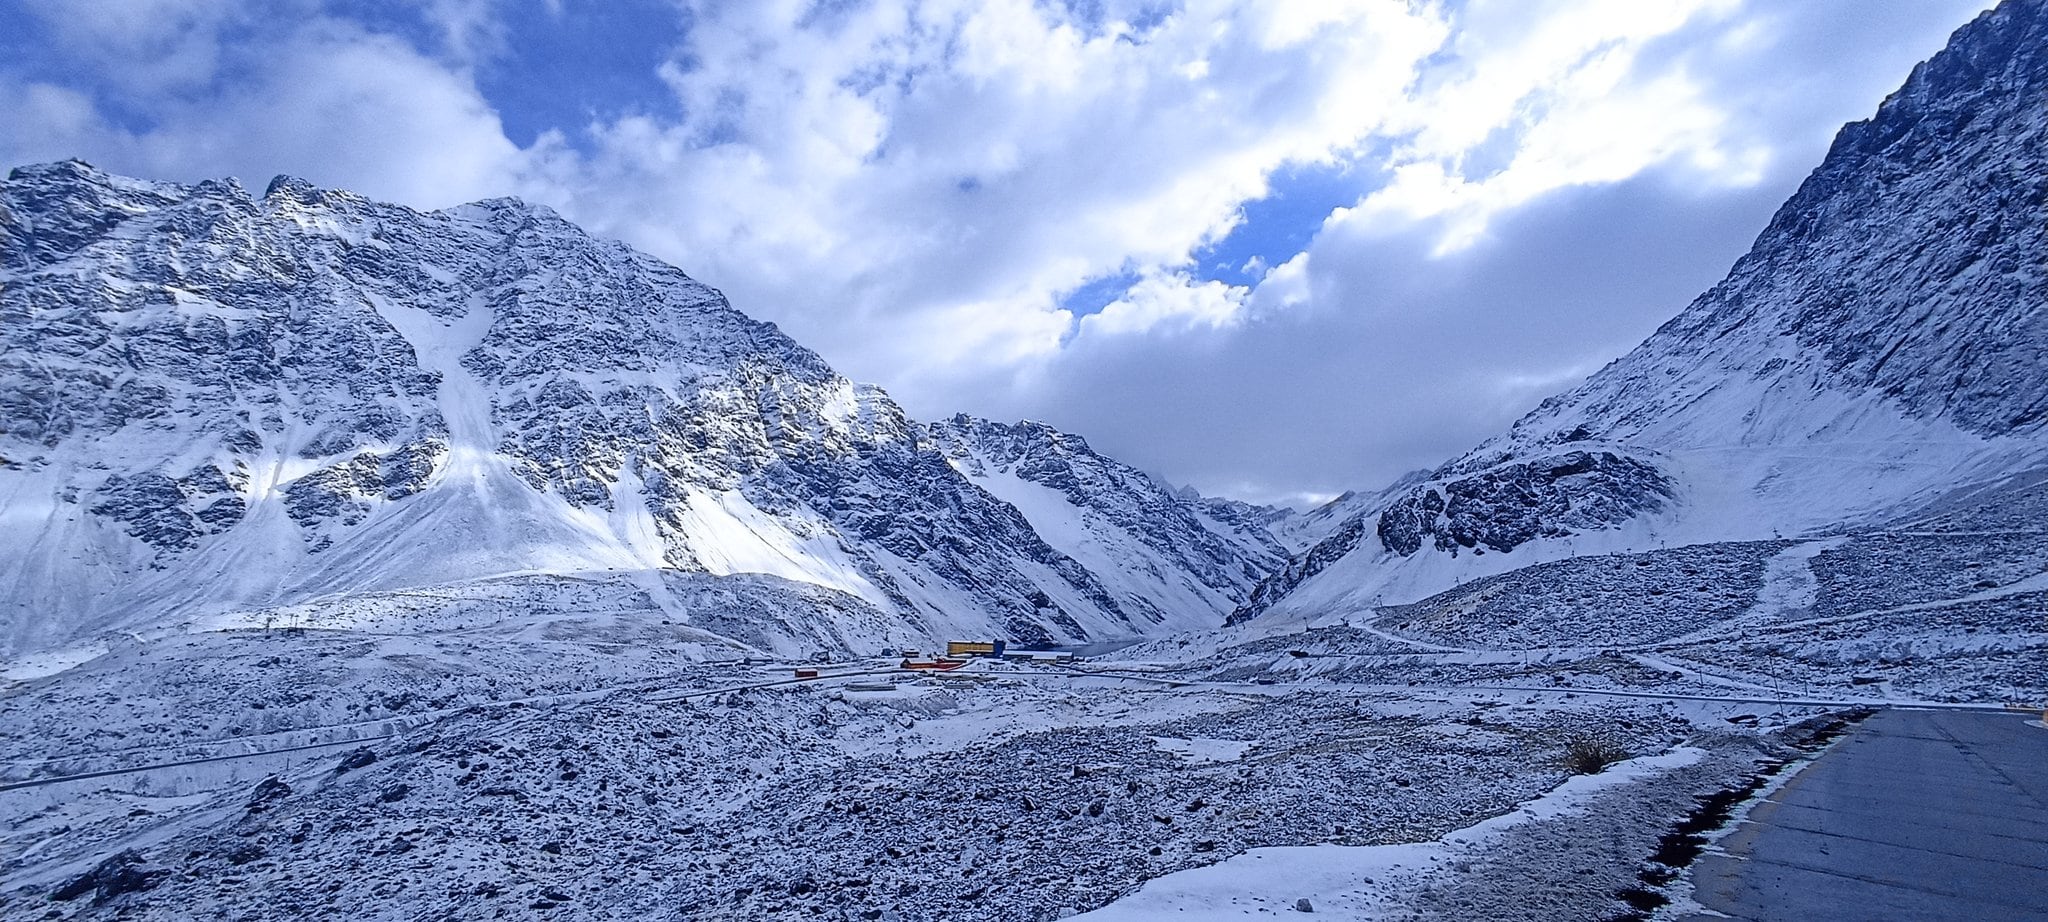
x: 1422, y: 355
x: 1172, y: 298
x: 147, y: 48
x: 950, y: 169
x: 1525, y: 104
x: 919, y: 189
x: 1452, y: 298
x: 318, y: 97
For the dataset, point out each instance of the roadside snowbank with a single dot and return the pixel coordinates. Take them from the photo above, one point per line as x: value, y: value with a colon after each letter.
x: 1353, y: 882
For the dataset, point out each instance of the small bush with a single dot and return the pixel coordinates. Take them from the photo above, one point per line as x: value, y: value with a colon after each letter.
x: 1590, y: 755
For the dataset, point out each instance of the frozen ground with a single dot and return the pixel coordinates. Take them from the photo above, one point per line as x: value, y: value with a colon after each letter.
x: 1951, y: 609
x: 472, y: 755
x: 1013, y: 793
x: 1023, y: 796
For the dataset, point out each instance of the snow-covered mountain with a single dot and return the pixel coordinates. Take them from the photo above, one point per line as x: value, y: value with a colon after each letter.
x: 213, y: 402
x: 1882, y: 344
x: 1175, y: 557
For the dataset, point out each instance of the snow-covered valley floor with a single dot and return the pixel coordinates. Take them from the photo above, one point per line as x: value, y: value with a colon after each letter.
x: 597, y: 761
x: 1009, y: 793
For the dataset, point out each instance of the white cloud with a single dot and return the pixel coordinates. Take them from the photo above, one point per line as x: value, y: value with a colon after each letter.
x: 470, y: 30
x: 363, y: 112
x: 1526, y: 106
x: 146, y: 46
x: 926, y: 166
x: 324, y: 100
x: 911, y: 187
x: 49, y: 122
x: 1170, y: 299
x: 1285, y: 286
x: 1585, y: 199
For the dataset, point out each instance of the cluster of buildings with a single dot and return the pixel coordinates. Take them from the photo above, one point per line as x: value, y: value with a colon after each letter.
x: 959, y: 652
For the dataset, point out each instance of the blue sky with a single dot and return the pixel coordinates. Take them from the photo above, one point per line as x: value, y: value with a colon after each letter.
x: 560, y: 71
x: 1276, y: 250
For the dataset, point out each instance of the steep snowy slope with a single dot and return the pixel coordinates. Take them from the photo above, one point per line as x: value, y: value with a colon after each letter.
x: 212, y: 402
x: 1882, y: 343
x: 1181, y: 559
x: 1305, y: 530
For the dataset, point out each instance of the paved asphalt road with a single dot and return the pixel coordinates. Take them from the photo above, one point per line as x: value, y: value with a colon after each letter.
x: 1916, y: 815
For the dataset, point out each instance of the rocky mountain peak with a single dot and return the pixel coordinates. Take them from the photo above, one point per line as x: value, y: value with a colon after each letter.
x: 1181, y: 557
x: 220, y: 403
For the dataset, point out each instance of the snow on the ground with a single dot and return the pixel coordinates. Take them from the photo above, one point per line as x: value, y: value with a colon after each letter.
x: 1125, y: 564
x: 1352, y: 882
x: 37, y: 665
x: 801, y: 798
x: 1303, y: 757
x: 1202, y: 748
